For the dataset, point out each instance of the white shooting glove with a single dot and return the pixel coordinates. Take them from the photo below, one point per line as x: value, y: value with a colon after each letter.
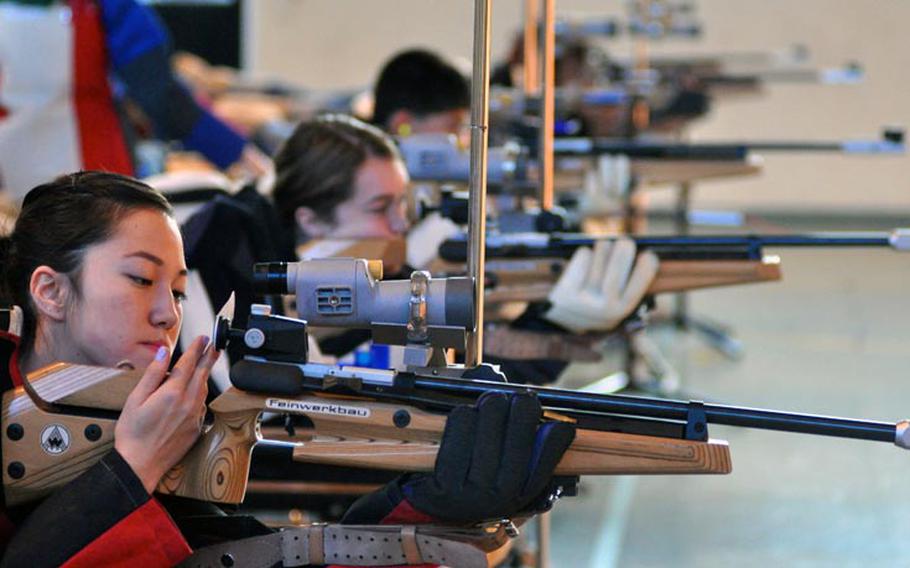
x: 606, y: 185
x: 600, y: 288
x: 425, y: 237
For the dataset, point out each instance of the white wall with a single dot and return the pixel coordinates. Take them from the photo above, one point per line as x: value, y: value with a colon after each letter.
x: 342, y: 43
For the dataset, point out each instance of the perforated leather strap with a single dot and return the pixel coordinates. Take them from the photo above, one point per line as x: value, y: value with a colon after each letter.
x: 409, y: 544
x: 316, y: 548
x: 352, y: 546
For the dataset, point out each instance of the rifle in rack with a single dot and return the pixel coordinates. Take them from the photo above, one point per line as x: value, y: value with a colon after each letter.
x: 891, y: 142
x: 437, y: 158
x: 62, y: 420
x: 524, y: 267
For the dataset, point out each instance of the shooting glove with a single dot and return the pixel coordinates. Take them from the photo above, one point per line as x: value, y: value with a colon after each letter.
x: 425, y: 237
x: 496, y: 460
x: 606, y: 186
x: 600, y: 288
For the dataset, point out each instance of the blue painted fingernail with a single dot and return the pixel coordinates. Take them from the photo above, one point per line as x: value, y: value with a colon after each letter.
x: 205, y: 341
x: 161, y: 354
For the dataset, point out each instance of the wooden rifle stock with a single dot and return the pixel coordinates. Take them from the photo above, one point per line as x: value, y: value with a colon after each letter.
x: 661, y: 172
x: 591, y: 453
x: 530, y: 280
x: 61, y: 434
x: 45, y: 445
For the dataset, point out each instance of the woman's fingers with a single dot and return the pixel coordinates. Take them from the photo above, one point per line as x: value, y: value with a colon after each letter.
x: 151, y: 379
x: 603, y: 249
x: 199, y: 382
x: 183, y: 371
x: 616, y: 273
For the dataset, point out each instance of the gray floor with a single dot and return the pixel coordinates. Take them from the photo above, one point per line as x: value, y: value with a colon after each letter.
x: 832, y: 338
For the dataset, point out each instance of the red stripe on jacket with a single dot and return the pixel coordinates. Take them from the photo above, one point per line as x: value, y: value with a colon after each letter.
x: 147, y: 537
x: 102, y: 144
x: 14, y: 372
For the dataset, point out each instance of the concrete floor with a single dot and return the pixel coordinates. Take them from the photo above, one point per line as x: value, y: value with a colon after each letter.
x: 832, y: 338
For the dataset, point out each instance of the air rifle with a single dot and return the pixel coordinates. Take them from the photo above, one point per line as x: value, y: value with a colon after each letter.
x: 523, y: 267
x: 614, y: 27
x: 62, y: 420
x: 437, y: 158
x: 891, y: 142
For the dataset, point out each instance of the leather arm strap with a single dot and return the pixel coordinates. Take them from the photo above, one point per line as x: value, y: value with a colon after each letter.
x: 354, y: 545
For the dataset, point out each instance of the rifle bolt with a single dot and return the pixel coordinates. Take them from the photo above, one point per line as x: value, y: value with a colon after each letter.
x: 15, y: 431
x: 401, y: 418
x: 92, y: 432
x: 227, y: 559
x: 16, y: 470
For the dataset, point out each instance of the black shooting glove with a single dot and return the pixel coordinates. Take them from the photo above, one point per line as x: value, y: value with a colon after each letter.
x: 496, y: 460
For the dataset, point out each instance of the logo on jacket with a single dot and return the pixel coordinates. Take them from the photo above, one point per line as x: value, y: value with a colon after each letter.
x: 55, y: 439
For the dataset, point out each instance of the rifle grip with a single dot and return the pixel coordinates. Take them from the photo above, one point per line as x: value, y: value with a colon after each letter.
x: 217, y: 467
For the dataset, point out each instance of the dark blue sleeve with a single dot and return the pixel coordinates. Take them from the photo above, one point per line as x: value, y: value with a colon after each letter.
x: 139, y: 52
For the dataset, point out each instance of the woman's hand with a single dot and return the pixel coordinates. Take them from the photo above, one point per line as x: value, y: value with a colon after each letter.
x: 163, y: 416
x: 496, y: 461
x: 598, y: 289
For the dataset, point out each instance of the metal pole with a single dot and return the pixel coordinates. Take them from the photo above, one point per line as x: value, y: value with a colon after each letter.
x: 547, y: 95
x: 543, y: 540
x: 480, y: 106
x: 530, y: 66
x: 683, y: 203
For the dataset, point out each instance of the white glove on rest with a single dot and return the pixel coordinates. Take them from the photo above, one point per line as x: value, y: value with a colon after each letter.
x: 600, y: 288
x: 426, y: 236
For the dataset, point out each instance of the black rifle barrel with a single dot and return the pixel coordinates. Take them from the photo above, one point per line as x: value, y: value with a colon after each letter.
x: 646, y: 150
x: 891, y: 142
x: 691, y: 247
x: 820, y: 239
x: 671, y: 409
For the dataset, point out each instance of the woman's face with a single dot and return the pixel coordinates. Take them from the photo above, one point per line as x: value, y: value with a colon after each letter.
x: 130, y: 292
x: 377, y: 207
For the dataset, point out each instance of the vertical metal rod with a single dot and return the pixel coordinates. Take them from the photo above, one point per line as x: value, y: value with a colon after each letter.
x: 543, y: 540
x: 641, y: 113
x: 480, y: 107
x: 548, y: 95
x: 530, y: 65
x: 683, y: 204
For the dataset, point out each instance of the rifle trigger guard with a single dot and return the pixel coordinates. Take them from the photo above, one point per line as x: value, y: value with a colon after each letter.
x: 696, y: 421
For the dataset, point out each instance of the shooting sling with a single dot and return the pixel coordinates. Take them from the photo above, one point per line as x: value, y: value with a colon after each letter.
x: 355, y: 545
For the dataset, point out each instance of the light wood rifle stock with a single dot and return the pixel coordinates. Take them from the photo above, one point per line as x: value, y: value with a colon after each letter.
x: 591, y: 453
x: 662, y: 172
x: 531, y: 279
x: 216, y: 468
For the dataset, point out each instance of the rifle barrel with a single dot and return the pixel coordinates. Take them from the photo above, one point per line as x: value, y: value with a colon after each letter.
x: 691, y: 247
x: 673, y: 409
x: 891, y: 143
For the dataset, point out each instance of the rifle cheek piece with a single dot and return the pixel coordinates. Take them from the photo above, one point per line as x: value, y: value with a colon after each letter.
x: 902, y: 434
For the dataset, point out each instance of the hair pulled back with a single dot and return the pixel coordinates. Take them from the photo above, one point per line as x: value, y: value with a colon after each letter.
x: 58, y: 222
x: 317, y: 165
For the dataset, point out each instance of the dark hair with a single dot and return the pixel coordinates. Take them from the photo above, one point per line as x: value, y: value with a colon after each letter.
x: 57, y: 223
x: 419, y: 82
x: 317, y: 165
